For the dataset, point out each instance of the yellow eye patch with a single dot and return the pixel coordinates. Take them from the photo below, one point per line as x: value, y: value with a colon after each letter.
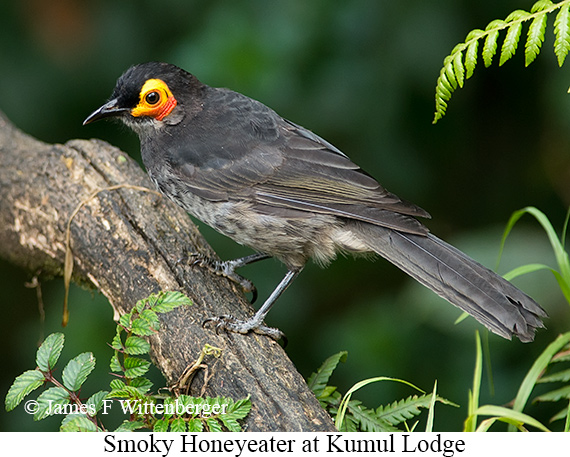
x: 155, y: 100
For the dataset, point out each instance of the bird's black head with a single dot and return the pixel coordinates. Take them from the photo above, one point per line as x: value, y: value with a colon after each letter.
x: 149, y: 93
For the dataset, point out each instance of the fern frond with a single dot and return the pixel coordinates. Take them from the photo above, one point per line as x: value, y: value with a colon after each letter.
x: 461, y: 63
x: 561, y: 376
x: 511, y: 42
x: 535, y: 38
x: 367, y: 420
x: 471, y: 57
x: 402, y: 410
x: 562, y: 34
x: 459, y: 69
x: 555, y: 395
x: 490, y: 46
x: 450, y: 73
x: 317, y: 382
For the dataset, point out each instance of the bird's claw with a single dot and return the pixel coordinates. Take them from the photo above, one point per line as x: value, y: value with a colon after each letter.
x: 222, y: 268
x: 231, y: 324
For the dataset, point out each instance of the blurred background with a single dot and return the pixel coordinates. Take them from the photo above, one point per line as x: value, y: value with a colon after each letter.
x: 362, y: 75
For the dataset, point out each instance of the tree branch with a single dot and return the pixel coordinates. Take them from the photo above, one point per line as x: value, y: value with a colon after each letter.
x: 126, y: 244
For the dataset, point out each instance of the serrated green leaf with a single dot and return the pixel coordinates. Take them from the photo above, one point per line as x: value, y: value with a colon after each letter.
x: 178, y: 425
x: 114, y: 365
x: 169, y: 407
x: 490, y: 47
x: 49, y: 351
x: 27, y: 382
x: 471, y: 58
x: 535, y: 38
x: 127, y: 392
x: 238, y: 409
x: 231, y: 424
x: 95, y: 402
x: 117, y: 343
x: 135, y: 345
x: 214, y: 425
x: 541, y: 5
x: 77, y: 369
x: 125, y: 320
x: 327, y: 392
x: 117, y: 384
x: 152, y: 318
x: 366, y: 419
x: 142, y: 327
x: 161, y: 425
x: 129, y: 426
x: 170, y: 300
x: 77, y: 423
x: 440, y: 101
x: 405, y: 409
x: 145, y: 303
x: 346, y: 399
x: 517, y: 15
x: 49, y: 401
x: 195, y: 425
x: 350, y: 424
x: 318, y: 380
x: 511, y: 42
x: 451, y: 77
x: 135, y: 367
x: 497, y: 24
x: 143, y: 385
x: 186, y: 401
x: 562, y: 34
x: 475, y: 34
x: 445, y: 85
x: 234, y: 411
x: 121, y: 393
x: 459, y: 69
x: 192, y: 405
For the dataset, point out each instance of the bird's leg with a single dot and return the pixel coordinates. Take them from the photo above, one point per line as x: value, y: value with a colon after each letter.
x: 227, y: 269
x: 255, y: 324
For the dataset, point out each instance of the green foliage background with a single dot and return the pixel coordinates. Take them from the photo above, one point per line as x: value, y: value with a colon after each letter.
x: 362, y: 75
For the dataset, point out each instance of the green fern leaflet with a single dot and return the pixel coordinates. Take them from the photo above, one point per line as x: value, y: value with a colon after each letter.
x: 461, y: 63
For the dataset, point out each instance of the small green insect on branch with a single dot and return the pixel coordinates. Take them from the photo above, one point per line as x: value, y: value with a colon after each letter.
x: 461, y: 63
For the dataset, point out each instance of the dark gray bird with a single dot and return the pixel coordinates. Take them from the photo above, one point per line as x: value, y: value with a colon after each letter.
x: 270, y: 184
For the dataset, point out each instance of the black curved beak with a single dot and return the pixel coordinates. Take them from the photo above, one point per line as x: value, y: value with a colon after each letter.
x: 109, y: 109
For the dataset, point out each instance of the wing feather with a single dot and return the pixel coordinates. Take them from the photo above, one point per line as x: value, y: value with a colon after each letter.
x: 276, y: 163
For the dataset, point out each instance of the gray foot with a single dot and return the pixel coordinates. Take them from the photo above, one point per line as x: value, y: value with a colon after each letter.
x: 231, y: 324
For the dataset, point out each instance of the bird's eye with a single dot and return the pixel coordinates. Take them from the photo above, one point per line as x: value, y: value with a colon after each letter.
x: 152, y: 98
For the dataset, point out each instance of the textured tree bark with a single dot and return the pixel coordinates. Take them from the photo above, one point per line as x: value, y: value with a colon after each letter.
x: 126, y: 243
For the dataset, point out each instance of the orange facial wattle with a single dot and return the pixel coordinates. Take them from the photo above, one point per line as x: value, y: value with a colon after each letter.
x: 156, y: 100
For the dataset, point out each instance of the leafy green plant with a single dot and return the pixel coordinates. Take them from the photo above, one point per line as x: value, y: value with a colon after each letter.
x: 558, y: 351
x: 556, y: 354
x: 562, y: 275
x: 158, y: 412
x: 460, y: 64
x: 352, y: 416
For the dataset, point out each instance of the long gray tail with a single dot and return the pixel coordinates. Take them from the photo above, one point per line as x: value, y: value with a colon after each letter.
x: 470, y: 286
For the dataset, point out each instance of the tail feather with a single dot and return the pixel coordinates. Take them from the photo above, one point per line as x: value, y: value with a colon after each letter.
x: 470, y: 286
